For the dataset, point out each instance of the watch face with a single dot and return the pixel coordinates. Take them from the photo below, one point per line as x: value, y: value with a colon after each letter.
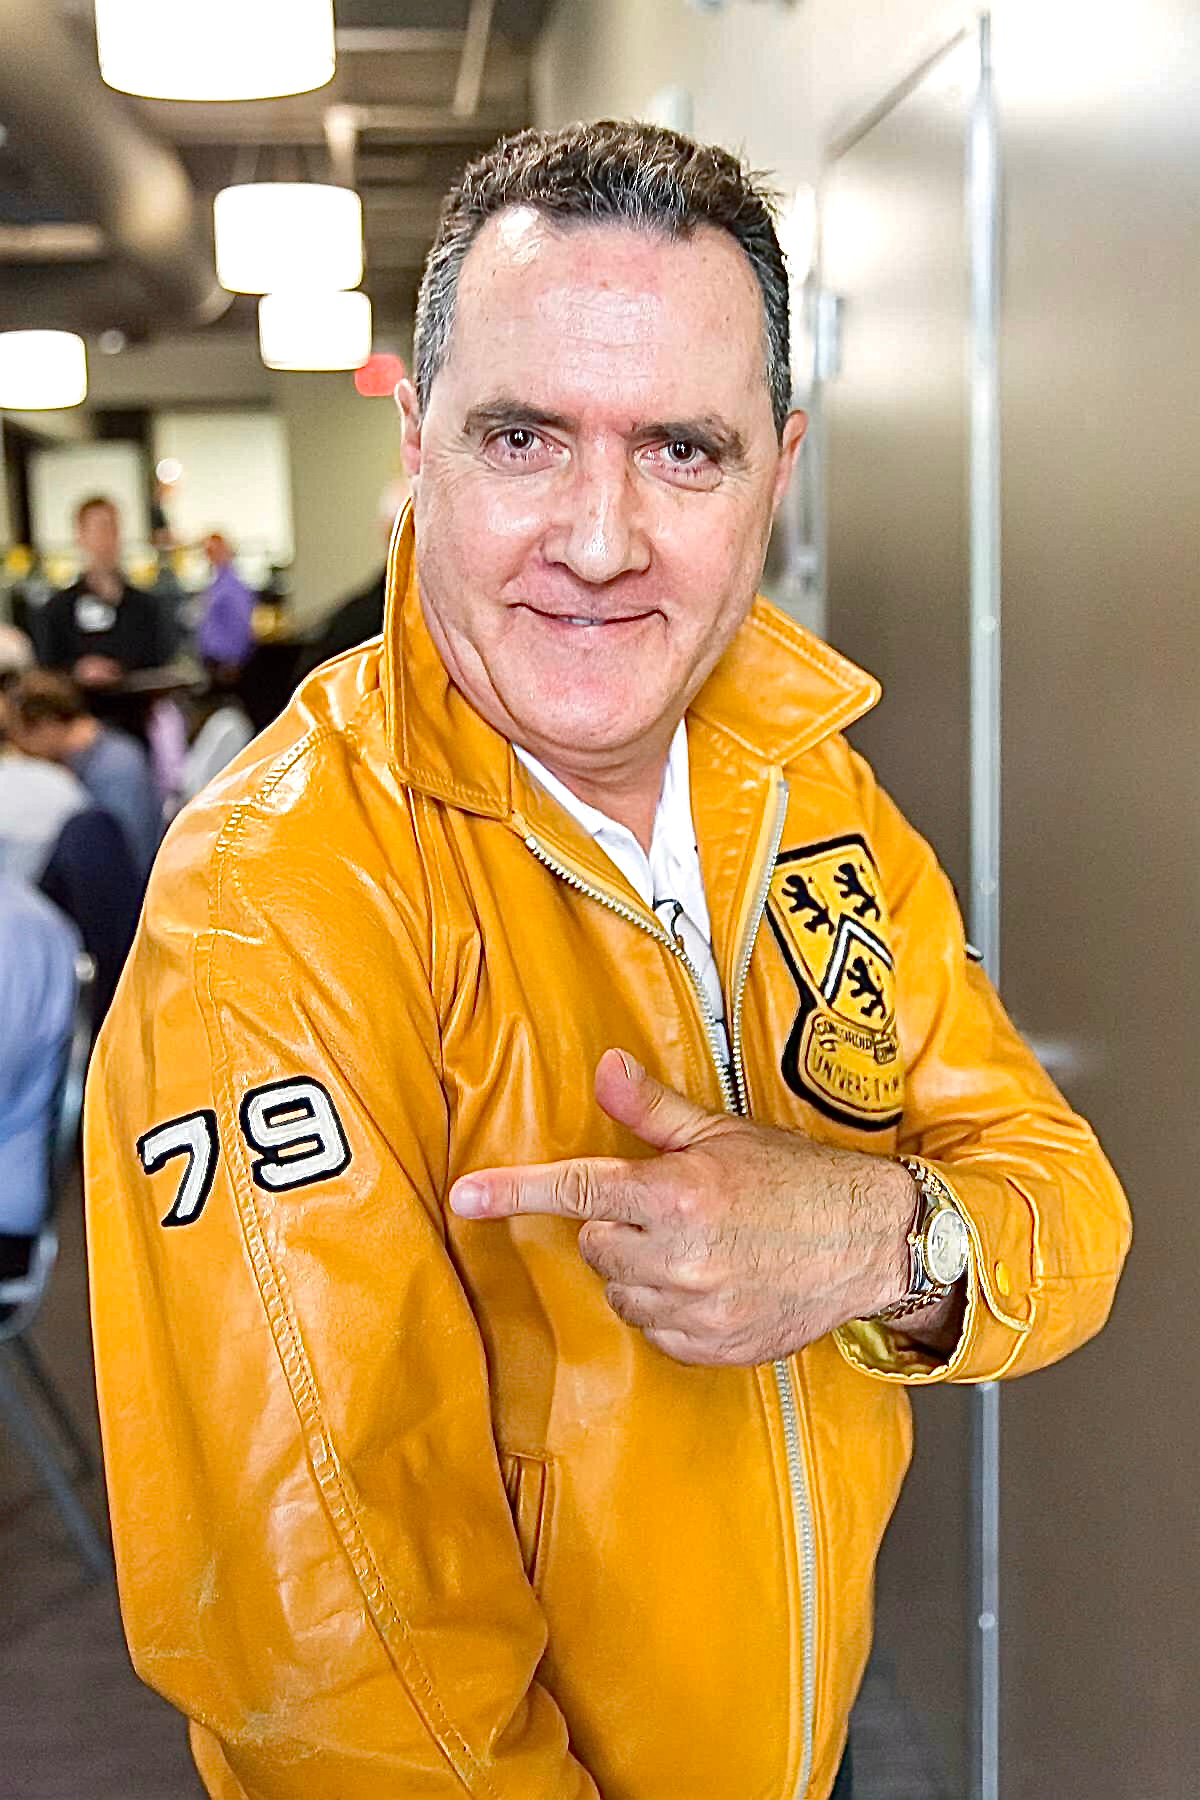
x: 946, y: 1245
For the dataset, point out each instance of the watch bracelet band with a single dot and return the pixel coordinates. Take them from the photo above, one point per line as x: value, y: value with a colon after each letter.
x: 933, y: 1192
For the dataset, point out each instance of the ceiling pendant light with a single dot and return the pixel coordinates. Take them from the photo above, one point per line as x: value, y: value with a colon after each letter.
x: 275, y: 235
x: 41, y: 371
x: 314, y: 330
x: 221, y: 50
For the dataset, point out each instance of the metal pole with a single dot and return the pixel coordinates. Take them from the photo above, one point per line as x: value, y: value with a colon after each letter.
x: 983, y: 192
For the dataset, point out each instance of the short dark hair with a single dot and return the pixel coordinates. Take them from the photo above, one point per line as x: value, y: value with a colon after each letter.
x: 43, y: 695
x: 90, y: 505
x: 615, y: 170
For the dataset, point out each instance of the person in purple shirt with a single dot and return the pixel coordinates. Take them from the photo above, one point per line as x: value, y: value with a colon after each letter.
x: 224, y: 636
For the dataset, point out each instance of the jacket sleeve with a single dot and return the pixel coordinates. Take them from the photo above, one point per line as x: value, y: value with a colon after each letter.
x: 1048, y: 1221
x: 317, y: 1562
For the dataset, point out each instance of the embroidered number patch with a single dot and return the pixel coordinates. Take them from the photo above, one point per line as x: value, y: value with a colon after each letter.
x: 194, y: 1135
x: 827, y: 911
x: 292, y: 1124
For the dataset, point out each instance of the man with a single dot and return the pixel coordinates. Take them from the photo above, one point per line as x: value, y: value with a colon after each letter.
x: 500, y: 1253
x: 101, y: 627
x: 225, y: 636
x: 50, y: 720
x: 37, y: 1010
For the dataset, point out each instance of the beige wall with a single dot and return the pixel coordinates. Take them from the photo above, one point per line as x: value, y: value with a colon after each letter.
x: 773, y: 80
x: 609, y: 57
x: 344, y: 450
x: 211, y: 368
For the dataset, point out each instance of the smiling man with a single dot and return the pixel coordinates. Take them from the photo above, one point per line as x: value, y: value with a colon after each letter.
x: 550, y: 1115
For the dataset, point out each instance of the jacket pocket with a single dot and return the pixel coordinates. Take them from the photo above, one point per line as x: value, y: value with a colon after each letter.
x: 527, y: 1482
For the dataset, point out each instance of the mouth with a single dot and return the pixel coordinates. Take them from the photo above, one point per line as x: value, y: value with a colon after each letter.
x: 587, y: 621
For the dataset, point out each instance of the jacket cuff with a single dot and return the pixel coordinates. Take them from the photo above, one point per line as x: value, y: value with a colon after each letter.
x: 1001, y: 1304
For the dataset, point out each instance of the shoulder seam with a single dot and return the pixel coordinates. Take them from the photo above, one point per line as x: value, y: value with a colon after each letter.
x: 224, y: 850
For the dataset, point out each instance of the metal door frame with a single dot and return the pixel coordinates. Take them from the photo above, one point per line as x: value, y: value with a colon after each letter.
x: 981, y: 187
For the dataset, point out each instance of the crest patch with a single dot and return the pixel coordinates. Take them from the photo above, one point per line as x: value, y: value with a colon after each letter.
x: 826, y: 908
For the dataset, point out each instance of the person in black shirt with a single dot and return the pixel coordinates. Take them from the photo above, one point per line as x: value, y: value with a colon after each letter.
x: 101, y: 627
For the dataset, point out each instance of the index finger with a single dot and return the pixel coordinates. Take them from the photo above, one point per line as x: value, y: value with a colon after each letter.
x: 582, y: 1187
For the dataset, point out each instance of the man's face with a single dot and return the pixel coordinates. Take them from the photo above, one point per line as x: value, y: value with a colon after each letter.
x: 99, y: 537
x: 594, y: 481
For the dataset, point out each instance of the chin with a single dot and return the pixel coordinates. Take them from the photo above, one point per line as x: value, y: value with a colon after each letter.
x: 582, y: 727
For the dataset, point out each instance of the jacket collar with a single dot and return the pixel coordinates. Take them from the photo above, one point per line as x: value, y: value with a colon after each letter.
x: 776, y: 692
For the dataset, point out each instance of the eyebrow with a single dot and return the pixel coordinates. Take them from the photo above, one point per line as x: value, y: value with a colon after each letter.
x: 709, y: 432
x: 509, y: 415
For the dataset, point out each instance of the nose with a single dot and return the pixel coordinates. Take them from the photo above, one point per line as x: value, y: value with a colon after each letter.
x: 600, y: 533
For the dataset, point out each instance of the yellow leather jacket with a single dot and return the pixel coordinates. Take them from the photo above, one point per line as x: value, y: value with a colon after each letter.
x: 400, y: 1507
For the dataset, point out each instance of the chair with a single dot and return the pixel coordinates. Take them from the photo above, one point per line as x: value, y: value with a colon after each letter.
x: 20, y: 1302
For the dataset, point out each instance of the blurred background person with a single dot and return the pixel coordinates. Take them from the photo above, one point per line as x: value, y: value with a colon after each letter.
x: 36, y: 798
x: 37, y: 1006
x: 16, y: 654
x: 102, y: 628
x: 49, y: 718
x: 225, y: 634
x: 221, y: 728
x: 55, y: 836
x: 91, y: 877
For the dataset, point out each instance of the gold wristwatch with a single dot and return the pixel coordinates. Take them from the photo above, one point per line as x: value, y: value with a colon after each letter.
x: 939, y: 1244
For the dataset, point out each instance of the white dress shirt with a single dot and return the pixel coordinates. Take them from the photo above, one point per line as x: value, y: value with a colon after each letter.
x: 669, y: 880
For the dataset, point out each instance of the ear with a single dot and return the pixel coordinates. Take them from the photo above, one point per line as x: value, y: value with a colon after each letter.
x: 794, y: 428
x: 405, y: 396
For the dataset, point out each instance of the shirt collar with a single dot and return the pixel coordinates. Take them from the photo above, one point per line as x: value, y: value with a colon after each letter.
x: 775, y: 693
x: 676, y: 819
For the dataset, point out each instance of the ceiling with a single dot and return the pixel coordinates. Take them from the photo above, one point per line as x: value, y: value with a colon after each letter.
x: 420, y: 87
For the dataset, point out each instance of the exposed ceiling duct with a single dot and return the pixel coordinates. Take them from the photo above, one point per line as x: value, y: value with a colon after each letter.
x: 64, y: 123
x: 105, y: 201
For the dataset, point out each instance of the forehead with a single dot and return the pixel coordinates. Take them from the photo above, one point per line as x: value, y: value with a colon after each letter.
x: 609, y: 302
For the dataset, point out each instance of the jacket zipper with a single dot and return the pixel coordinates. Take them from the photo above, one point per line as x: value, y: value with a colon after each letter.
x: 712, y: 1026
x: 734, y: 1094
x: 802, y: 1515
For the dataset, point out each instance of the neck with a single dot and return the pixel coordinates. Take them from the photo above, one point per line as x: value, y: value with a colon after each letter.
x: 104, y: 580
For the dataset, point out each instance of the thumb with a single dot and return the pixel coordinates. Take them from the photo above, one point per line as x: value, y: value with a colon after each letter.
x: 658, y: 1114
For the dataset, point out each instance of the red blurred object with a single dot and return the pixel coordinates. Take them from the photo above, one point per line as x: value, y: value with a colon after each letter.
x: 378, y: 376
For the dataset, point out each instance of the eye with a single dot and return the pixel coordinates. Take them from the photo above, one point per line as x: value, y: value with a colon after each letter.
x: 684, y: 462
x: 518, y: 448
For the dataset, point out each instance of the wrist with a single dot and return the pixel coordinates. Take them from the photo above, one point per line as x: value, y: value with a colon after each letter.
x: 901, y: 1198
x: 938, y: 1242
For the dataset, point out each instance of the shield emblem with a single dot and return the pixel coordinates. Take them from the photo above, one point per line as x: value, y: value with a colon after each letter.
x: 827, y: 911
